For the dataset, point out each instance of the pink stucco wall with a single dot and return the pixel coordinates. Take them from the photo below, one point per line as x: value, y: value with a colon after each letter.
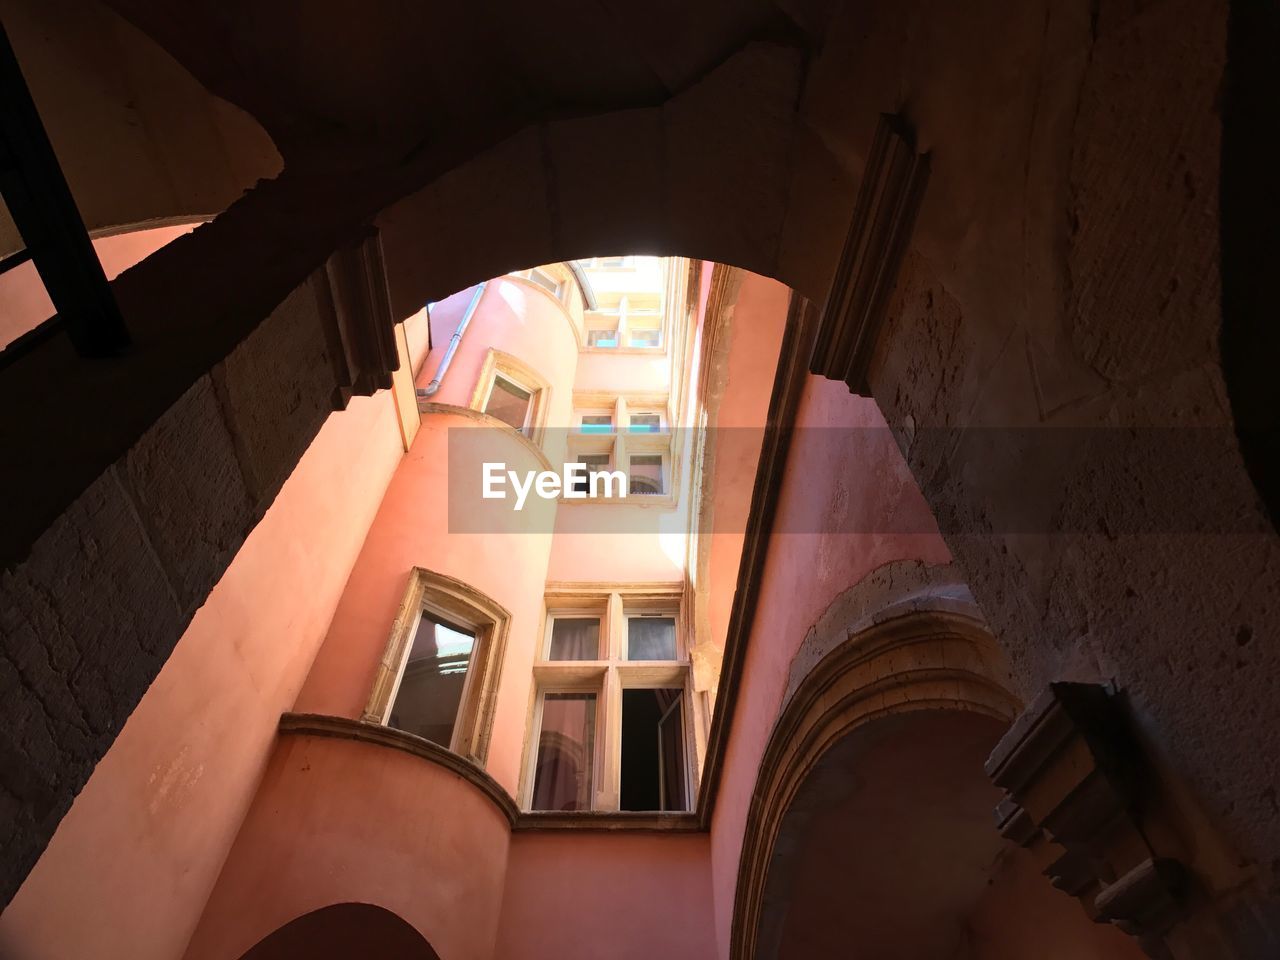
x: 339, y: 821
x: 23, y: 301
x: 131, y: 865
x: 826, y: 484
x: 589, y: 896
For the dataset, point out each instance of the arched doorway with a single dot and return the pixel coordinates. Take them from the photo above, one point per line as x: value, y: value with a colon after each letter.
x: 871, y: 832
x: 343, y: 931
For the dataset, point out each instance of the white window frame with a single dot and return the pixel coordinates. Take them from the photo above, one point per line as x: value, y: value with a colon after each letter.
x: 498, y: 364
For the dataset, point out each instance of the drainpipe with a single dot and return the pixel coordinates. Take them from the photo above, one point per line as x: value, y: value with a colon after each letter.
x: 441, y: 370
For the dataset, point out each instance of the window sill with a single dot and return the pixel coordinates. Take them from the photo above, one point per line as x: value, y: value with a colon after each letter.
x: 597, y: 821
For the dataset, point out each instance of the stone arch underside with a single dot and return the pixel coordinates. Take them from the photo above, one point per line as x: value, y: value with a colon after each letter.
x: 1017, y: 306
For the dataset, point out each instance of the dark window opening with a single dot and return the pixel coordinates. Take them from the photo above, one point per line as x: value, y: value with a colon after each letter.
x: 653, y: 761
x: 595, y: 463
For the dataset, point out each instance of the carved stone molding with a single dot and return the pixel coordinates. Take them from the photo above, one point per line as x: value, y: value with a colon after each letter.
x: 355, y: 308
x: 917, y: 660
x: 889, y: 198
x: 1074, y: 780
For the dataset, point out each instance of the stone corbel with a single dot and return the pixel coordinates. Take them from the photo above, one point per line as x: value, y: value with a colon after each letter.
x: 883, y: 217
x: 355, y: 309
x: 1073, y: 777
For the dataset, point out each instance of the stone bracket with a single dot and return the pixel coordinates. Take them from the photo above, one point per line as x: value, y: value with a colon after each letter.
x: 892, y: 188
x: 355, y: 309
x: 1073, y: 775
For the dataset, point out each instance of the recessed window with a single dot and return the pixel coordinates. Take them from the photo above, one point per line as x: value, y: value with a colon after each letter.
x: 512, y: 393
x: 651, y: 637
x: 611, y: 718
x: 645, y: 338
x: 437, y: 679
x: 595, y: 463
x: 646, y: 423
x: 602, y: 338
x: 574, y: 638
x: 548, y: 282
x: 509, y: 402
x: 566, y: 749
x: 435, y: 672
x: 653, y: 774
x: 646, y: 475
x: 597, y: 423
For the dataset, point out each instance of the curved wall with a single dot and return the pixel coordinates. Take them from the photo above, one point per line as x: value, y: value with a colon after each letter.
x: 436, y: 479
x: 339, y: 820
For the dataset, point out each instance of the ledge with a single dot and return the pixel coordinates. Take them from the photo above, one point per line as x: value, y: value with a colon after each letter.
x: 426, y: 407
x: 344, y: 728
x: 599, y: 821
x: 361, y: 731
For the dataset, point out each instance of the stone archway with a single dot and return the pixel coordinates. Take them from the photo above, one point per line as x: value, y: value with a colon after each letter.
x: 870, y: 830
x: 343, y: 931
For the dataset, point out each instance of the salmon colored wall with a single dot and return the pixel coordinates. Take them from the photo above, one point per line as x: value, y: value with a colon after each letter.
x: 759, y: 320
x: 338, y: 821
x: 827, y: 483
x: 131, y: 865
x: 412, y: 530
x: 508, y: 563
x: 623, y: 372
x: 1021, y: 915
x: 592, y: 896
x: 24, y: 304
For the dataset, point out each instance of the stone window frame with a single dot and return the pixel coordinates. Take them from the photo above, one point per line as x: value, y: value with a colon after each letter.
x: 607, y: 677
x: 620, y: 442
x: 459, y: 603
x: 497, y: 363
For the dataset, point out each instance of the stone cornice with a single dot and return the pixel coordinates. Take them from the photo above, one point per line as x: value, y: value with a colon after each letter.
x: 893, y: 183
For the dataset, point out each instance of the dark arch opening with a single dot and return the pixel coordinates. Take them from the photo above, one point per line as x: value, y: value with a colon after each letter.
x: 343, y: 931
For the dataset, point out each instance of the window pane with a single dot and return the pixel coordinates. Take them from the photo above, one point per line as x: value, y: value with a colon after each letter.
x: 651, y: 638
x: 546, y: 281
x: 652, y: 750
x: 602, y: 338
x: 575, y: 638
x: 509, y: 403
x: 595, y: 463
x: 566, y: 744
x: 431, y: 686
x: 646, y: 475
x: 646, y: 423
x: 597, y: 423
x: 645, y: 338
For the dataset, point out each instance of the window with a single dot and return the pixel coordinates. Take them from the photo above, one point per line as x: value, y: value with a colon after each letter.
x: 509, y: 402
x: 645, y: 338
x: 646, y: 475
x: 595, y: 463
x: 438, y: 675
x: 610, y: 715
x: 601, y: 337
x: 512, y: 393
x: 646, y: 423
x: 546, y: 281
x: 597, y: 423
